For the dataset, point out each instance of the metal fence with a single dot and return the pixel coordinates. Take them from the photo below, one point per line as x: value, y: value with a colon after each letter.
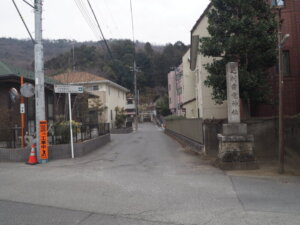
x: 61, y: 134
x: 10, y: 137
x: 57, y: 134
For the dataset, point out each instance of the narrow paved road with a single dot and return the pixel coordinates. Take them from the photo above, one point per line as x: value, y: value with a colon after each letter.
x: 143, y: 178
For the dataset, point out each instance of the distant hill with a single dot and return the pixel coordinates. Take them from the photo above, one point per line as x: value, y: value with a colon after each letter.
x: 20, y: 52
x: 154, y: 62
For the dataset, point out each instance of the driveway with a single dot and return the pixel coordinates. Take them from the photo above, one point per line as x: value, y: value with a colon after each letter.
x: 142, y: 178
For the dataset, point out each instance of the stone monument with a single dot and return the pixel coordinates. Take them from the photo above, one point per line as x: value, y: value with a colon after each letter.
x: 235, y: 144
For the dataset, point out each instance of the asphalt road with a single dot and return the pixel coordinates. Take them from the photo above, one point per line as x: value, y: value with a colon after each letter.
x: 143, y: 178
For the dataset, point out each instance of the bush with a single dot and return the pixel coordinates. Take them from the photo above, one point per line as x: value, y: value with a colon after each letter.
x: 63, y: 130
x: 120, y: 117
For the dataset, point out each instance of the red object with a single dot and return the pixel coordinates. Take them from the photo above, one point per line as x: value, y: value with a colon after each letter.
x: 32, y: 158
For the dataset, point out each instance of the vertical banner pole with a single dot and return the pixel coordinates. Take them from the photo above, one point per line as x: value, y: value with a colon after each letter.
x: 71, y: 129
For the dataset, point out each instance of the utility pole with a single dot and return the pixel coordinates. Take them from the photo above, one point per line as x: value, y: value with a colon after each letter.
x: 281, y: 42
x: 73, y: 50
x: 135, y: 96
x: 39, y: 74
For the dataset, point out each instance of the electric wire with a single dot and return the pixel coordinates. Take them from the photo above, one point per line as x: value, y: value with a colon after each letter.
x: 86, y: 17
x: 89, y: 17
x: 105, y: 42
x: 28, y: 3
x: 33, y: 41
x: 104, y: 19
x: 112, y: 19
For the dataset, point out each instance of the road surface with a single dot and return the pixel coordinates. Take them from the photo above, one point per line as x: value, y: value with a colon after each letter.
x: 142, y: 178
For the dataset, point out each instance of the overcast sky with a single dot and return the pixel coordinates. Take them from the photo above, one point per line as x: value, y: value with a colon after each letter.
x: 156, y: 21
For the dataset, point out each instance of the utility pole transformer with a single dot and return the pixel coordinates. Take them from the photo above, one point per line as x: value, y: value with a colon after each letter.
x: 39, y: 74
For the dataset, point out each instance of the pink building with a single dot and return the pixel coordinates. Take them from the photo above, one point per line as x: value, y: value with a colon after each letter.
x: 172, y: 91
x: 175, y: 89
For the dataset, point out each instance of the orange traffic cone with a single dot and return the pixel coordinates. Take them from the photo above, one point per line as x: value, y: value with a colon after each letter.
x: 32, y: 158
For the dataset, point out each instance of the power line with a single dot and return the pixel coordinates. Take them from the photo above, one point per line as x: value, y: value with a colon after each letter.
x: 132, y: 23
x: 105, y: 42
x: 84, y: 12
x: 33, y: 41
x: 28, y: 3
x: 86, y: 17
x: 112, y: 18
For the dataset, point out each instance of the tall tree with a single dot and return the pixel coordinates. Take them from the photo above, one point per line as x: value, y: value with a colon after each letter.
x: 244, y: 32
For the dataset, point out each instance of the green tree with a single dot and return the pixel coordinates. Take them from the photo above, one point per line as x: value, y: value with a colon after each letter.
x: 243, y: 32
x: 120, y: 117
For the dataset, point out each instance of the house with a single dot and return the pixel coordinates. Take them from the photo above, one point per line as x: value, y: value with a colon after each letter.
x: 111, y: 95
x: 130, y: 108
x: 188, y: 88
x: 205, y: 106
x: 172, y: 92
x: 10, y: 122
x: 175, y: 90
x: 207, y: 109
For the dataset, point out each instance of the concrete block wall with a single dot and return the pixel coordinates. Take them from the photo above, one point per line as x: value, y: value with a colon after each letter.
x: 265, y: 133
x: 56, y: 151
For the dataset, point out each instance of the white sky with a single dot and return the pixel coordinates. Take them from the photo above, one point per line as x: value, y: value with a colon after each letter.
x: 156, y: 21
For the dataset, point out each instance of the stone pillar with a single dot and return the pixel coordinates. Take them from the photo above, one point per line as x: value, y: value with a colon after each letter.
x: 235, y: 144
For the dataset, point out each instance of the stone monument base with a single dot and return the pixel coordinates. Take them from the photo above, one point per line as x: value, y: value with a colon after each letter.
x: 236, y: 150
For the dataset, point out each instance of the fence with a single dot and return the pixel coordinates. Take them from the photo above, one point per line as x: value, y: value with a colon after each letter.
x: 61, y: 134
x: 10, y: 137
x: 57, y: 134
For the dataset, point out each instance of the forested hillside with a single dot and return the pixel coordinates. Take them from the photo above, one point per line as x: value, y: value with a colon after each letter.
x: 20, y: 52
x: 154, y: 62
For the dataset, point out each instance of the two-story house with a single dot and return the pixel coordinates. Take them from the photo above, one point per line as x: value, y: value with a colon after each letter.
x: 111, y: 95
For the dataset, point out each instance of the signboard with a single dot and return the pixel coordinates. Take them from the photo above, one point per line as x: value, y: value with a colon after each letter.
x: 43, y: 140
x: 68, y: 89
x: 233, y: 96
x: 22, y: 108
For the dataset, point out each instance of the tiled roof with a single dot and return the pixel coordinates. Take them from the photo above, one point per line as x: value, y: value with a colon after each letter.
x: 77, y: 77
x: 6, y: 70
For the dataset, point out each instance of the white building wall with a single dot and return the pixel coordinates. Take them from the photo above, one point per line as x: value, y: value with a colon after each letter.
x: 188, y: 78
x: 111, y: 97
x: 115, y: 97
x: 208, y: 109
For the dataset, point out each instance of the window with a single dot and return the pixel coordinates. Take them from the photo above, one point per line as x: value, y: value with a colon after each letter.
x: 109, y: 90
x: 278, y: 2
x: 170, y: 101
x: 111, y: 115
x: 95, y: 88
x: 118, y: 93
x: 179, y: 91
x: 286, y: 63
